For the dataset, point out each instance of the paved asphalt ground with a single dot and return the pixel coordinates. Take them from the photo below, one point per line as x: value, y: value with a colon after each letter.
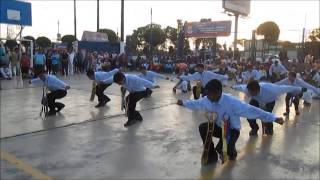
x: 83, y: 142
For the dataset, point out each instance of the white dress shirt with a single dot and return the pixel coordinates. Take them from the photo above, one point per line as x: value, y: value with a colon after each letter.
x: 277, y: 69
x: 150, y: 76
x: 298, y: 82
x: 268, y: 92
x: 246, y: 75
x: 205, y: 77
x: 102, y: 77
x: 134, y: 83
x: 51, y: 82
x: 229, y: 108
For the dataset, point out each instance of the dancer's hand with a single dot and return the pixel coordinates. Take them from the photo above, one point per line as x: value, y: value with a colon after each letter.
x: 157, y: 86
x: 180, y: 102
x: 304, y: 89
x: 279, y: 120
x: 167, y: 78
x: 67, y: 87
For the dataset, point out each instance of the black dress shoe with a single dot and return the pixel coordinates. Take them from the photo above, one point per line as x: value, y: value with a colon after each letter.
x: 51, y: 113
x: 139, y: 118
x: 100, y: 104
x: 232, y: 158
x: 213, y: 158
x: 286, y: 114
x: 129, y: 123
x: 253, y: 132
x: 60, y: 107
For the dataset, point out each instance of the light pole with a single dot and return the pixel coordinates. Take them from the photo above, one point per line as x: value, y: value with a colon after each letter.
x: 151, y: 49
x: 98, y: 15
x: 75, y: 18
x: 236, y: 16
x: 122, y: 21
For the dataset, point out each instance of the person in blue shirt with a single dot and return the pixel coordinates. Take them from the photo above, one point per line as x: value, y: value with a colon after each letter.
x: 204, y: 77
x: 58, y: 89
x: 103, y: 80
x: 292, y: 80
x: 277, y: 71
x: 138, y: 89
x: 150, y: 76
x: 264, y: 95
x: 39, y: 62
x: 55, y: 60
x: 250, y: 74
x: 228, y: 109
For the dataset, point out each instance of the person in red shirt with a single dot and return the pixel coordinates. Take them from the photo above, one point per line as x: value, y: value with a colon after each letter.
x: 25, y: 65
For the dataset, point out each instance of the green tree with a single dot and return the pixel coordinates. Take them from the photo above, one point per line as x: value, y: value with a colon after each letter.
x: 315, y: 35
x: 112, y: 36
x: 154, y: 36
x: 145, y: 38
x: 43, y: 42
x: 27, y: 43
x: 131, y: 44
x: 11, y: 44
x: 69, y: 39
x: 287, y: 45
x: 172, y: 35
x: 186, y: 47
x: 270, y: 31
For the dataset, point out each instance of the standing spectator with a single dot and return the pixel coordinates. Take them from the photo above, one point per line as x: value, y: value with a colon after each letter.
x: 15, y: 63
x: 71, y: 62
x: 39, y: 62
x: 48, y: 61
x: 55, y: 58
x: 87, y: 61
x: 64, y: 63
x: 4, y: 64
x: 25, y: 65
x: 79, y: 62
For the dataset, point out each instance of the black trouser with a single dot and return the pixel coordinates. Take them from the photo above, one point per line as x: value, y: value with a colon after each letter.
x: 149, y: 92
x: 55, y: 68
x: 217, y: 132
x: 52, y: 96
x: 65, y: 68
x: 295, y: 101
x: 99, y: 92
x: 253, y: 122
x: 133, y: 98
x: 38, y: 69
x: 48, y: 64
x: 194, y: 90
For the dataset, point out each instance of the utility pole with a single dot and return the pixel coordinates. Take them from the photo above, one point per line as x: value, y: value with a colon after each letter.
x: 122, y: 21
x: 58, y: 35
x: 236, y: 16
x: 151, y: 49
x: 75, y: 18
x: 253, y: 45
x: 98, y: 15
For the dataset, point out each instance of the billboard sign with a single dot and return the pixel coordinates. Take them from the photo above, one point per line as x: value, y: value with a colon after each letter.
x: 94, y: 36
x: 207, y: 29
x: 15, y: 12
x: 237, y: 6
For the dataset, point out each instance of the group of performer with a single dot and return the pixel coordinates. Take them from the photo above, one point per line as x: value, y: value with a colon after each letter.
x: 209, y: 85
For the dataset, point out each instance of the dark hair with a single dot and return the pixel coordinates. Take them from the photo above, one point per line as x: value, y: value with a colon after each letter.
x: 253, y: 86
x: 214, y: 86
x: 90, y: 72
x: 293, y: 74
x: 200, y: 66
x: 118, y: 77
